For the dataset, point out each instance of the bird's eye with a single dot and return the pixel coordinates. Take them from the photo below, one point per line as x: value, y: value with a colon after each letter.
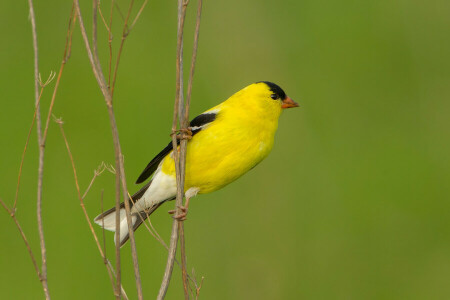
x: 274, y: 96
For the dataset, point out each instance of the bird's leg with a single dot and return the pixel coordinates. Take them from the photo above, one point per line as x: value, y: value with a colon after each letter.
x: 184, y: 211
x: 183, y: 133
x: 186, y: 133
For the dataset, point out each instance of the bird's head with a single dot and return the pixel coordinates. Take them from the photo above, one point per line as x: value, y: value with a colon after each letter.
x: 266, y: 94
x: 273, y: 94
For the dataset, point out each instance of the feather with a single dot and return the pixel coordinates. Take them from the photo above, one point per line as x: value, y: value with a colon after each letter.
x: 197, y: 124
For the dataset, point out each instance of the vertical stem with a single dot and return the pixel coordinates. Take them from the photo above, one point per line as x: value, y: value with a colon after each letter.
x: 179, y: 200
x: 99, y: 76
x: 117, y: 288
x: 43, y: 273
x: 183, y: 260
x: 185, y: 124
x: 180, y: 156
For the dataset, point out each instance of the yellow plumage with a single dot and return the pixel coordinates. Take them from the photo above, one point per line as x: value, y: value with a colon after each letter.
x: 241, y: 136
x: 228, y: 140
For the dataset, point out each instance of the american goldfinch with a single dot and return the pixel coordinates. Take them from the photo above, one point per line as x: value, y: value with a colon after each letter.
x: 227, y: 141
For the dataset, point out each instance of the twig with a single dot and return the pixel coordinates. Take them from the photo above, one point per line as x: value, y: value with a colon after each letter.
x: 43, y: 85
x: 193, y: 60
x: 117, y: 215
x: 66, y: 56
x: 42, y: 138
x: 119, y: 11
x: 80, y: 197
x: 117, y: 149
x: 183, y: 148
x: 43, y: 273
x: 154, y: 233
x: 197, y: 286
x: 125, y: 33
x: 103, y: 18
x: 179, y: 172
x: 138, y: 14
x: 110, y: 44
x: 183, y: 260
x: 13, y: 216
x: 94, y: 32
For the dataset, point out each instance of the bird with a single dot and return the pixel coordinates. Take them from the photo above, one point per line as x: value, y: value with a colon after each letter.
x: 225, y: 142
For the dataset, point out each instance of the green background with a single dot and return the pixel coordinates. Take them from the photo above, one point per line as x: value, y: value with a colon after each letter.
x: 352, y: 203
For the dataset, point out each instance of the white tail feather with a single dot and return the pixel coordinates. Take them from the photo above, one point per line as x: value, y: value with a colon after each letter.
x: 109, y: 223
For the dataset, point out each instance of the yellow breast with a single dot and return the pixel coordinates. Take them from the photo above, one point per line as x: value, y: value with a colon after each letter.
x: 241, y: 136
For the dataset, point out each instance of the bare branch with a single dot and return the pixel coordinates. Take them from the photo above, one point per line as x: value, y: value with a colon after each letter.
x: 43, y: 273
x: 117, y: 148
x: 13, y: 216
x: 193, y: 61
x: 66, y: 56
x: 43, y: 85
x: 138, y: 14
x: 110, y: 44
x: 42, y: 139
x: 125, y: 33
x: 80, y: 197
x: 179, y: 172
x: 102, y: 17
x: 183, y: 148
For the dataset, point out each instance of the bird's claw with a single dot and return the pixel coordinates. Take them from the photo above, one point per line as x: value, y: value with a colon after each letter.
x: 183, y: 133
x: 182, y: 215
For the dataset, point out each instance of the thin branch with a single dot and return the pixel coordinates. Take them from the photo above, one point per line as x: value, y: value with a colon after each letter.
x: 43, y: 85
x: 97, y: 172
x: 94, y: 32
x: 43, y: 273
x: 42, y: 138
x: 117, y: 235
x: 117, y: 177
x: 119, y: 11
x: 13, y: 216
x: 154, y: 233
x: 138, y: 15
x: 193, y: 61
x: 183, y: 148
x: 80, y: 197
x: 117, y: 149
x: 102, y: 17
x: 198, y: 287
x: 183, y: 260
x: 66, y: 56
x: 125, y: 33
x: 110, y: 44
x: 180, y: 184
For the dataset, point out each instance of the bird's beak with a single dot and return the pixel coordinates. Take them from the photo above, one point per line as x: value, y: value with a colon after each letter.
x: 289, y: 103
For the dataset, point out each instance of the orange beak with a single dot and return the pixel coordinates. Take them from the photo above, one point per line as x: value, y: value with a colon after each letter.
x: 289, y: 103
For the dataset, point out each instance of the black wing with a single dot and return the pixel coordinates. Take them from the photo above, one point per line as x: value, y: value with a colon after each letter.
x: 196, y: 125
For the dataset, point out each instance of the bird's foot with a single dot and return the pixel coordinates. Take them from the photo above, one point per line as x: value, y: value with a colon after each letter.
x: 183, y: 209
x: 182, y: 215
x: 183, y: 133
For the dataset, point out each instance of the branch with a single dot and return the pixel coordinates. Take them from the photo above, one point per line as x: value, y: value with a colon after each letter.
x: 185, y: 124
x: 13, y: 216
x: 97, y: 172
x: 43, y: 85
x: 125, y: 33
x: 117, y: 149
x: 43, y: 273
x: 178, y: 103
x: 180, y: 156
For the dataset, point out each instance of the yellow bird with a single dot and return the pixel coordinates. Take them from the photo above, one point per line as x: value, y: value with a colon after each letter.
x: 227, y: 141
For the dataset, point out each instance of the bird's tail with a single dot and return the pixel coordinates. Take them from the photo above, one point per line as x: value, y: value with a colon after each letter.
x: 107, y: 220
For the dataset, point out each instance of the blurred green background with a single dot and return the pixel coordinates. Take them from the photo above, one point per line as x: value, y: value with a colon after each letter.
x: 353, y: 202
